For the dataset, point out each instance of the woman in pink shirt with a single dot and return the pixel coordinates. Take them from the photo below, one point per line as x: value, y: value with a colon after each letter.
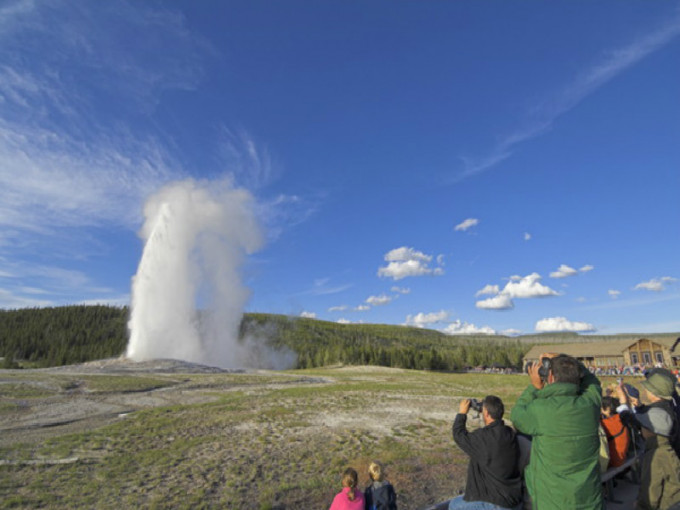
x: 349, y: 498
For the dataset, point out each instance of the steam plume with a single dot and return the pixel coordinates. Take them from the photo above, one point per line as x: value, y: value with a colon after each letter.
x: 197, y: 236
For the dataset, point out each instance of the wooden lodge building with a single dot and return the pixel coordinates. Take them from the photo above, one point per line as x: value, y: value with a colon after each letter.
x: 617, y: 353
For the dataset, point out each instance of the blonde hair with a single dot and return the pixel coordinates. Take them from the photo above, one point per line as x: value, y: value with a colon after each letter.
x: 350, y: 478
x: 375, y: 471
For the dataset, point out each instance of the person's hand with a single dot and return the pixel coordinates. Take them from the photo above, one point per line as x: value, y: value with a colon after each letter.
x: 635, y: 402
x: 464, y: 406
x: 535, y: 377
x: 621, y: 394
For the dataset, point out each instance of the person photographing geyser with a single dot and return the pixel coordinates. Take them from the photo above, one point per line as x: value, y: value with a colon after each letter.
x: 560, y: 410
x: 493, y: 478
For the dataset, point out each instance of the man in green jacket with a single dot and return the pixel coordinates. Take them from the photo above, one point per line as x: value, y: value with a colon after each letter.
x: 561, y: 413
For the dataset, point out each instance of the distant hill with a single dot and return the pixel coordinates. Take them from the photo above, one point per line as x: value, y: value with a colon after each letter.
x: 74, y: 334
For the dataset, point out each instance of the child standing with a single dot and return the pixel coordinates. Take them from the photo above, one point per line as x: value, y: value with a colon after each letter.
x: 349, y: 498
x: 380, y: 494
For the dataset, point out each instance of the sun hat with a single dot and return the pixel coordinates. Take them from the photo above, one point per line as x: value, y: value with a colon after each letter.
x: 659, y: 385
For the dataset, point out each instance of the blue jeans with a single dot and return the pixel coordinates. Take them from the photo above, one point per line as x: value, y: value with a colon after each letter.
x: 460, y: 504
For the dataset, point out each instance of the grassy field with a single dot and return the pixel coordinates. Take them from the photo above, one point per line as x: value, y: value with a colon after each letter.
x: 269, y: 440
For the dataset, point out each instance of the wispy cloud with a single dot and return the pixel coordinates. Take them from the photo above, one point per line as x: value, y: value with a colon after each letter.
x: 541, y: 119
x: 466, y: 224
x: 65, y: 161
x: 655, y: 284
x: 381, y: 300
x: 401, y: 290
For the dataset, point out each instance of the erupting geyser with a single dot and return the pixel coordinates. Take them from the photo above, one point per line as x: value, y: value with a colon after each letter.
x: 197, y: 236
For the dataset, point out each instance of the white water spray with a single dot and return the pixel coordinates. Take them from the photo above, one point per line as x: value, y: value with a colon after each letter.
x: 197, y: 236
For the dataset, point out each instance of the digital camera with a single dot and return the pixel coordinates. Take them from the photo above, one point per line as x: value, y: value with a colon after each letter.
x: 476, y: 405
x: 546, y: 365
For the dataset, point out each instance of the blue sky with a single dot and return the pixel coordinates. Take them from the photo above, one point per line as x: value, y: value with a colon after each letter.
x: 503, y: 167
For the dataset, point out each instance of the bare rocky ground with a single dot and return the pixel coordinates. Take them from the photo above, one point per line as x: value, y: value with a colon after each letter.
x: 269, y: 449
x: 75, y: 409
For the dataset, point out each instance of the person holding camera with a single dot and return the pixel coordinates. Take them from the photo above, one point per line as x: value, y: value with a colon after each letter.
x: 493, y: 478
x: 660, y: 466
x: 560, y: 410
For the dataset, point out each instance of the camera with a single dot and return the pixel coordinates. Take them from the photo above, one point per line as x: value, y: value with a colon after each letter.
x: 632, y: 391
x: 546, y: 365
x: 476, y: 405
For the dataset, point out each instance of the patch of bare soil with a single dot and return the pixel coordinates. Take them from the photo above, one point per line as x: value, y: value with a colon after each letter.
x: 75, y: 409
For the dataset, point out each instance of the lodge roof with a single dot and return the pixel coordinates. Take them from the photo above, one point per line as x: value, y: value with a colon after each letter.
x: 592, y: 349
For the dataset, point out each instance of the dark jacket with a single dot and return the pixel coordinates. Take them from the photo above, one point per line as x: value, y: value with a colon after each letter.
x: 660, y: 476
x: 493, y: 475
x: 563, y: 420
x: 380, y: 496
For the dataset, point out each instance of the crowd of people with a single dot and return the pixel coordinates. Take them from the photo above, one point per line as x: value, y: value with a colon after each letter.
x: 566, y: 433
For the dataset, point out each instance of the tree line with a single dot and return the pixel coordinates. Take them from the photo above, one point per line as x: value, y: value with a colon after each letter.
x: 44, y: 337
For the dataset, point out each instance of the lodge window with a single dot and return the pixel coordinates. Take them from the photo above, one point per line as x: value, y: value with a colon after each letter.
x: 659, y: 356
x: 634, y: 358
x: 646, y: 357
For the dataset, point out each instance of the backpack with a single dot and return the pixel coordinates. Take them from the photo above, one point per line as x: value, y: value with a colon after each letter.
x: 674, y: 438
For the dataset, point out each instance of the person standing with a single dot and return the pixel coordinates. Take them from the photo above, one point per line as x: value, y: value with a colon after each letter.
x: 561, y: 413
x: 493, y: 478
x: 660, y: 466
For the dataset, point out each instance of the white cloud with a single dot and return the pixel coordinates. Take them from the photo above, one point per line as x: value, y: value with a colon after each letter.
x: 463, y: 328
x: 655, y: 284
x: 400, y: 290
x: 563, y: 271
x: 555, y: 324
x: 511, y: 332
x: 362, y: 308
x: 421, y: 320
x: 499, y: 302
x: 380, y: 300
x: 405, y: 254
x: 404, y: 262
x: 488, y: 289
x: 466, y: 224
x: 587, y: 268
x: 522, y: 287
x: 340, y: 308
x: 527, y: 287
x: 527, y: 236
x: 614, y: 294
x: 344, y: 321
x: 308, y: 315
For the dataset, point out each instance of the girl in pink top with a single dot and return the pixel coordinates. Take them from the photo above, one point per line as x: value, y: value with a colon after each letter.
x: 349, y: 498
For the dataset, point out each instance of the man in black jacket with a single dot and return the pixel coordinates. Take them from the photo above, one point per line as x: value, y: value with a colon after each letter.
x: 493, y: 478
